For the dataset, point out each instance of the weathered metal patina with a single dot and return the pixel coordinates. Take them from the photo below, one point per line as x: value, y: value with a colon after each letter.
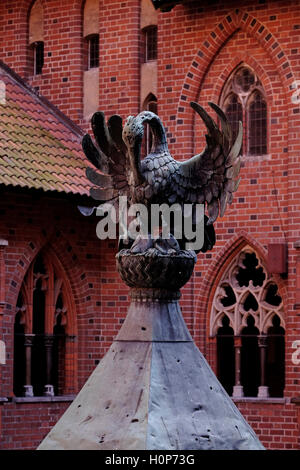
x: 154, y: 389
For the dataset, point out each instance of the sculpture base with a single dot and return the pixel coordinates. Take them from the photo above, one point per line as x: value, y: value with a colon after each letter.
x: 153, y: 390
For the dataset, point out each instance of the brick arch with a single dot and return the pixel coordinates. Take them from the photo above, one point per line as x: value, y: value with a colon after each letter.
x: 51, y: 256
x: 21, y: 18
x: 234, y: 21
x: 31, y: 3
x: 63, y: 252
x: 224, y: 257
x: 64, y: 260
x: 231, y: 66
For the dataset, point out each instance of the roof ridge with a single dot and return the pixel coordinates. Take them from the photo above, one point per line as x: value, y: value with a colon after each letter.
x: 71, y: 125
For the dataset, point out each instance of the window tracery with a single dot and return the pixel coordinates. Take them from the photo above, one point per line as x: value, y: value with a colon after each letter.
x: 40, y: 331
x: 243, y: 99
x: 248, y: 308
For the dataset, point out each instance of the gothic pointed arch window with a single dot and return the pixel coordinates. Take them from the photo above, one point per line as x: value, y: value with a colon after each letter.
x: 44, y: 331
x: 243, y: 99
x: 247, y: 319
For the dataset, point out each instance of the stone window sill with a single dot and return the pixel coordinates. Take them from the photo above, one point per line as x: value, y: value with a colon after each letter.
x: 269, y: 401
x: 60, y: 398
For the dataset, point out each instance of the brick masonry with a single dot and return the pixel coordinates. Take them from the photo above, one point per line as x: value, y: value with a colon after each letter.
x: 198, y: 47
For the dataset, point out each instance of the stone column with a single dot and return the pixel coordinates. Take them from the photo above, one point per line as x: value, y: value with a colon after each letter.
x: 28, y: 342
x: 263, y: 390
x: 48, y: 388
x: 238, y: 391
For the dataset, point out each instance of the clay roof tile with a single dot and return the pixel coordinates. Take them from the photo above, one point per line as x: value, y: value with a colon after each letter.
x: 39, y: 146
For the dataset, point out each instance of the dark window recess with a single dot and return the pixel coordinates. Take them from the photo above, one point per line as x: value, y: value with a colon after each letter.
x: 250, y: 359
x: 38, y: 49
x: 250, y: 272
x: 47, y: 359
x: 244, y: 79
x: 225, y: 356
x: 275, y: 364
x: 257, y: 126
x: 250, y: 303
x: 93, y: 51
x: 19, y: 351
x: 149, y: 105
x: 230, y: 298
x: 234, y: 113
x: 272, y: 296
x: 59, y: 351
x: 262, y: 353
x: 150, y: 43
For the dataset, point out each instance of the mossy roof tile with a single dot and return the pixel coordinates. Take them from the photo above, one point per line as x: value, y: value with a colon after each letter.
x: 39, y: 147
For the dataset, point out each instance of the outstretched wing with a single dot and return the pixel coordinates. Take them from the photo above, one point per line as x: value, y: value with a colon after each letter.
x: 108, y: 155
x: 212, y: 176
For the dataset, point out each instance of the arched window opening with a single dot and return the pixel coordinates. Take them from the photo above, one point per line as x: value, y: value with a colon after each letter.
x: 38, y: 358
x: 91, y: 33
x: 149, y: 43
x: 247, y: 320
x: 150, y: 104
x: 38, y: 57
x: 225, y: 359
x: 36, y: 38
x: 275, y: 361
x: 250, y: 272
x: 243, y: 99
x: 41, y: 341
x: 250, y: 359
x: 234, y: 112
x: 59, y: 349
x: 91, y: 58
x: 92, y: 47
x: 229, y: 297
x: 257, y: 117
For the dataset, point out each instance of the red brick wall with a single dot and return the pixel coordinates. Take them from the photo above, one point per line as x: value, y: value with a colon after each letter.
x: 62, y: 78
x: 198, y: 47
x: 31, y: 223
x: 276, y: 425
x: 25, y: 425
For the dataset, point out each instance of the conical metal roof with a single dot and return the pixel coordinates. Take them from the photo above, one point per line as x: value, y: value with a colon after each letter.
x: 153, y: 390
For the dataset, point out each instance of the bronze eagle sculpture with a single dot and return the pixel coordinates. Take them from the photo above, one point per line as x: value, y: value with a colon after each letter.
x: 209, y: 178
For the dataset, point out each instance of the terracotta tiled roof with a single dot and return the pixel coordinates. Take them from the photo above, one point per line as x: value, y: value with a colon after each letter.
x: 39, y: 146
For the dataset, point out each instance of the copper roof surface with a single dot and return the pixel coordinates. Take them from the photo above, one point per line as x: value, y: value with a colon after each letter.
x: 39, y: 147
